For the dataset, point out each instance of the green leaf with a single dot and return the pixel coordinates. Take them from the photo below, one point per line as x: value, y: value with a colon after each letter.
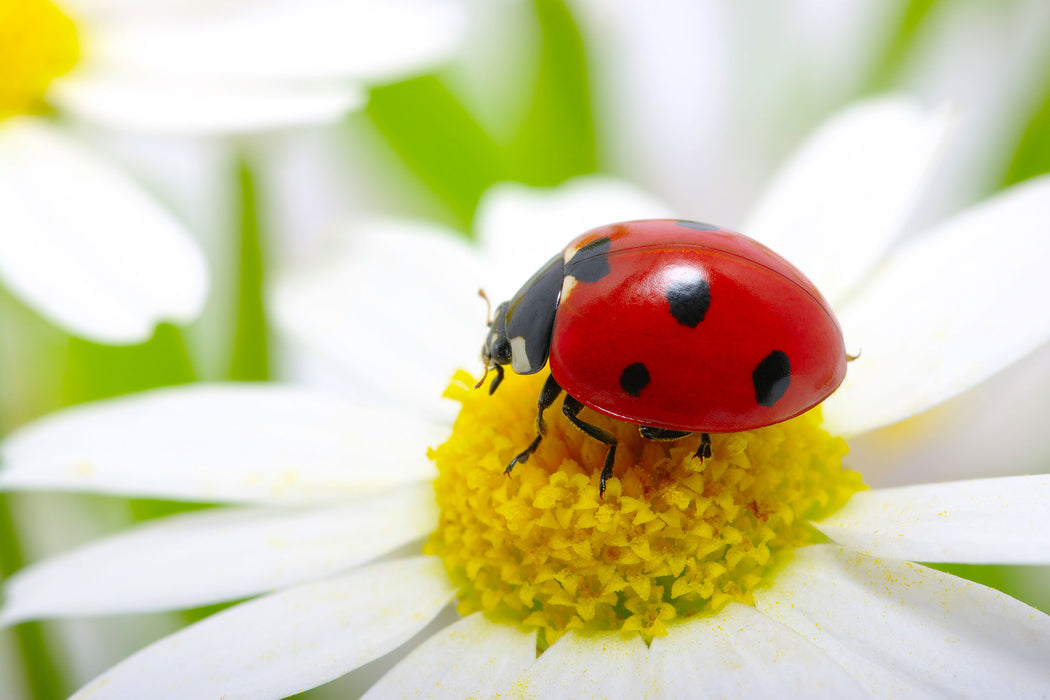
x: 452, y: 154
x: 902, y: 38
x: 1032, y: 155
x: 249, y: 356
x: 557, y: 140
x: 95, y: 371
x: 1003, y: 578
x: 439, y: 140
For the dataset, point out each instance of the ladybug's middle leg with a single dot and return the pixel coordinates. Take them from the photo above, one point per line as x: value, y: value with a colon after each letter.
x: 571, y: 408
x: 649, y: 432
x: 550, y: 391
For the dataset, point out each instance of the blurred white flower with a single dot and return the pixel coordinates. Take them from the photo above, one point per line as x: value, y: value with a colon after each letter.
x: 327, y: 484
x: 699, y: 100
x: 80, y: 242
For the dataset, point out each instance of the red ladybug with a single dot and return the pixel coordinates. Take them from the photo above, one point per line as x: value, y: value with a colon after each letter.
x: 676, y: 326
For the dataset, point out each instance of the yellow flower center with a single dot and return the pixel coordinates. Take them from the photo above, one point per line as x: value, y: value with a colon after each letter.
x: 672, y: 537
x: 38, y: 43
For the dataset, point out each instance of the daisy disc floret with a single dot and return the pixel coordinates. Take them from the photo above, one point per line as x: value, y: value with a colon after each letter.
x: 38, y: 43
x: 673, y: 536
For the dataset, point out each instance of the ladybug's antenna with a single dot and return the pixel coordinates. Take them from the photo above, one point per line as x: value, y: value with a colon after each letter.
x: 851, y: 358
x: 488, y: 309
x: 488, y: 321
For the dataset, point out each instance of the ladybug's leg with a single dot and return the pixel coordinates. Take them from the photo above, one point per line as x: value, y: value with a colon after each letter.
x: 495, y: 382
x: 703, y: 451
x: 571, y: 408
x: 551, y: 390
x: 650, y: 432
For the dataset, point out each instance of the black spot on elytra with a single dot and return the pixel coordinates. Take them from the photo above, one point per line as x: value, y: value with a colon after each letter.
x: 591, y: 262
x: 634, y: 378
x: 689, y: 298
x: 698, y: 225
x: 771, y: 378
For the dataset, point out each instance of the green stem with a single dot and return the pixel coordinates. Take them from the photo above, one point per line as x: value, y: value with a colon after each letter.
x: 43, y: 674
x: 250, y: 356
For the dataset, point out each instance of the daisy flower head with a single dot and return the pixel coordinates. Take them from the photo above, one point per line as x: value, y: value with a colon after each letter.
x: 763, y: 569
x: 173, y: 67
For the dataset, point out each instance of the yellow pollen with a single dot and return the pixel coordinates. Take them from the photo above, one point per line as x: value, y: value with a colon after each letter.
x: 38, y: 43
x: 673, y: 537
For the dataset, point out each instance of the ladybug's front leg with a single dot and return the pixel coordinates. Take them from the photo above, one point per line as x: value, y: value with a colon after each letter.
x: 571, y: 408
x: 495, y: 382
x: 551, y: 390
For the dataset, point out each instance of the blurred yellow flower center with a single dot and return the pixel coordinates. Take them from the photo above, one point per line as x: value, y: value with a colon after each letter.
x: 38, y: 43
x: 673, y: 536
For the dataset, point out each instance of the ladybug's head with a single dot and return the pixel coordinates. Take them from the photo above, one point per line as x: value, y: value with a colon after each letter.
x: 520, y: 332
x: 496, y: 351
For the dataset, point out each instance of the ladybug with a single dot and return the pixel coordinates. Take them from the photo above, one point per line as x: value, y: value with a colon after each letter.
x: 677, y: 326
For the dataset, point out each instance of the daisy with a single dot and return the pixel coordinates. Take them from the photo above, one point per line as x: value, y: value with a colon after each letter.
x: 81, y: 243
x: 767, y: 569
x: 799, y: 61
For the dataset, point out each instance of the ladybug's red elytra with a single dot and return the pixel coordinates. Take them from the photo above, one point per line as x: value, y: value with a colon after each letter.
x: 677, y: 326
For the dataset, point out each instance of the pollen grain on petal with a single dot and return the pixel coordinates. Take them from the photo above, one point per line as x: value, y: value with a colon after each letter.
x: 673, y: 536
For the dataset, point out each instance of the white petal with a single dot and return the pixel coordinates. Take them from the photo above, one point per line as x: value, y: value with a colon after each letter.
x: 678, y: 142
x: 742, y: 653
x: 92, y: 12
x: 984, y: 521
x: 201, y: 558
x: 194, y: 106
x: 522, y: 227
x: 84, y: 246
x: 286, y: 642
x: 938, y: 445
x: 473, y: 658
x: 837, y: 205
x: 232, y: 442
x: 947, y: 310
x: 603, y: 665
x: 284, y: 40
x: 396, y: 305
x: 908, y: 631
